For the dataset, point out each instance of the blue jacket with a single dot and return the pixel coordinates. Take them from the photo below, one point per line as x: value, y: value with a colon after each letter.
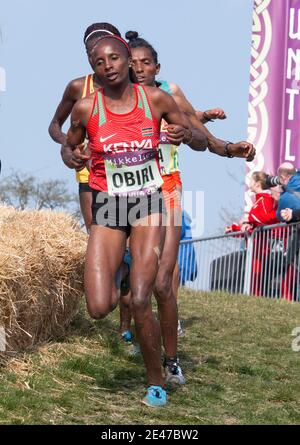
x: 290, y: 198
x: 187, y: 255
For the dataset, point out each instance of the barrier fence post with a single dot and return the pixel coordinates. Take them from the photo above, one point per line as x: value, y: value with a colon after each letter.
x: 248, y: 265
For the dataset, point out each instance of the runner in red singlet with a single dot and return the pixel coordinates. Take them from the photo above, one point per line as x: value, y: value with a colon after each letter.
x: 75, y: 90
x: 122, y: 121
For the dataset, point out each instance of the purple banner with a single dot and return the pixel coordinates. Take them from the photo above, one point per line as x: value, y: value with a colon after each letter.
x: 274, y: 99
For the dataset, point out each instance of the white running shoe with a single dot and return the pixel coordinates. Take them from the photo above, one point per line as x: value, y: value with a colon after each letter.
x: 179, y: 329
x: 173, y: 373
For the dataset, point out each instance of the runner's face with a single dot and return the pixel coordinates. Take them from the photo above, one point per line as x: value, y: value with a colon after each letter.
x: 144, y: 66
x: 110, y: 62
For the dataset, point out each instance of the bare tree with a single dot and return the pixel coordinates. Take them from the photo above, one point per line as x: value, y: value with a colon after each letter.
x: 22, y: 190
x: 233, y: 213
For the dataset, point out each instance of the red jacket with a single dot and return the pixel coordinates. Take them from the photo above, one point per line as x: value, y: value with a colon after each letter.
x: 263, y: 211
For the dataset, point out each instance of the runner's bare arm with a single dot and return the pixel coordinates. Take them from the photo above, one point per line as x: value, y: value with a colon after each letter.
x: 70, y: 96
x: 179, y: 128
x: 76, y: 135
x: 242, y: 149
x: 202, y: 116
x: 79, y: 118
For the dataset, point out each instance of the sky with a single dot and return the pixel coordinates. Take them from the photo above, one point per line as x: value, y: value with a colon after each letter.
x: 203, y: 46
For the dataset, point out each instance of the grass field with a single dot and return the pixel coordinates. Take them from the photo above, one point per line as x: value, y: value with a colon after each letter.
x: 236, y: 354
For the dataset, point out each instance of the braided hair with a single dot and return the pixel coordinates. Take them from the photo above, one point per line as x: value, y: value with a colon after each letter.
x: 97, y: 30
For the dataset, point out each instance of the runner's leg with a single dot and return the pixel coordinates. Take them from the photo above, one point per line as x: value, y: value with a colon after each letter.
x: 146, y: 244
x: 103, y: 258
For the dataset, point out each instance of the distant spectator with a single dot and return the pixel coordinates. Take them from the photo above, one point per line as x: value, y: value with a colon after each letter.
x: 290, y: 197
x: 186, y: 269
x: 289, y: 211
x: 187, y: 256
x: 263, y: 211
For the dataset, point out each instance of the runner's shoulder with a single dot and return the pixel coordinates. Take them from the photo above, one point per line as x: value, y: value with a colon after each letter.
x: 74, y: 89
x: 175, y: 89
x: 156, y: 94
x: 83, y: 107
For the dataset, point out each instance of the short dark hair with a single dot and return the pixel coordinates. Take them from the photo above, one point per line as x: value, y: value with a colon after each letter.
x: 134, y: 41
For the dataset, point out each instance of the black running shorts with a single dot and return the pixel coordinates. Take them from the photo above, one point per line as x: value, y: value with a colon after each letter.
x: 84, y: 187
x: 121, y: 212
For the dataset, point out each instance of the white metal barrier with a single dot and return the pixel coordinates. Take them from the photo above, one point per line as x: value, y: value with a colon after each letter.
x: 265, y: 263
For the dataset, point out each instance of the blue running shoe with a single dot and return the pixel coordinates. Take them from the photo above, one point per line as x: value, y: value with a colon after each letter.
x: 127, y: 257
x: 127, y: 336
x: 156, y: 396
x: 125, y: 283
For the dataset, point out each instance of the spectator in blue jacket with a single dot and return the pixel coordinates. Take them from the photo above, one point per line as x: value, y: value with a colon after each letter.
x: 187, y: 256
x: 290, y: 197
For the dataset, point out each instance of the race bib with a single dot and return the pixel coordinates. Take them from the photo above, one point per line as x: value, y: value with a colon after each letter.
x: 168, y: 159
x: 168, y: 154
x: 132, y: 173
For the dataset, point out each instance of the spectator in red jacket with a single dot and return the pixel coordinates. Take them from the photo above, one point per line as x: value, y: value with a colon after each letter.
x: 262, y: 213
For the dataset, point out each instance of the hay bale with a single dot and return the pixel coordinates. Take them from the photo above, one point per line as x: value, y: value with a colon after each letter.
x: 41, y: 275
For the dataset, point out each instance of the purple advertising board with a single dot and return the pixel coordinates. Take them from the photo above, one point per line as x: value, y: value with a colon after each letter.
x: 274, y: 99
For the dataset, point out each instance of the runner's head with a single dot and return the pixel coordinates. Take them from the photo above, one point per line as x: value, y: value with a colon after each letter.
x: 110, y: 58
x: 144, y: 59
x: 97, y: 30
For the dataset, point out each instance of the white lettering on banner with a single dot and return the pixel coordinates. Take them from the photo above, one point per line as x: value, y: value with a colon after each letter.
x: 292, y: 87
x: 294, y: 35
x: 292, y: 94
x: 293, y: 57
x: 288, y: 155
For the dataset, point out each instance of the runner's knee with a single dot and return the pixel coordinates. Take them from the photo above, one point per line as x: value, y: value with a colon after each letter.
x: 140, y: 297
x: 99, y: 311
x: 163, y: 285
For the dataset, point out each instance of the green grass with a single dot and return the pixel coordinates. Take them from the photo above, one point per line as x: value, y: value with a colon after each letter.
x: 236, y: 354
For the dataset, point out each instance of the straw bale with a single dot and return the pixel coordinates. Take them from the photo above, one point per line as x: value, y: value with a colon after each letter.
x: 41, y: 275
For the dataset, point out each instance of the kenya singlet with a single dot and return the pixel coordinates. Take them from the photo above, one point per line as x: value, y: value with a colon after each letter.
x: 124, y: 148
x: 83, y: 175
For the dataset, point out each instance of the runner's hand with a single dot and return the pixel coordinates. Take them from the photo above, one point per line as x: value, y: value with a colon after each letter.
x: 74, y: 158
x: 175, y: 134
x: 81, y: 155
x: 242, y: 149
x: 215, y: 113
